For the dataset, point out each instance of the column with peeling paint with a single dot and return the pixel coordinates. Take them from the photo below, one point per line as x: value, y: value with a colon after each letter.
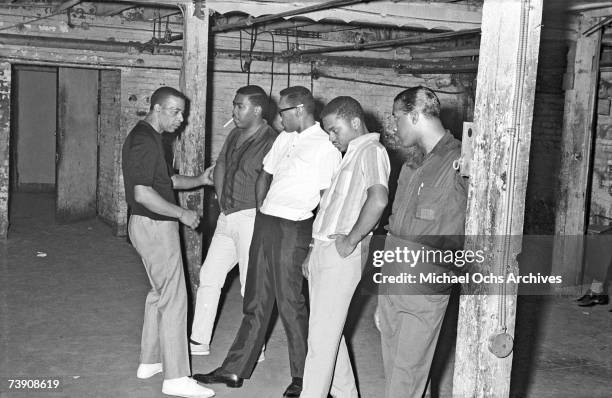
x: 505, y: 93
x: 194, y: 74
x: 5, y: 129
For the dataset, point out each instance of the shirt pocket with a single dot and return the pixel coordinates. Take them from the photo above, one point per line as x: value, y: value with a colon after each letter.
x: 429, y: 204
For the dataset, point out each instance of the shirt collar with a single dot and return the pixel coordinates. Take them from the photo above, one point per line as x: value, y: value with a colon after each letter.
x: 262, y: 128
x: 446, y: 139
x: 314, y: 129
x: 362, y: 140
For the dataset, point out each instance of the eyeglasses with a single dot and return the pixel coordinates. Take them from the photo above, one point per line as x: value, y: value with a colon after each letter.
x: 280, y: 111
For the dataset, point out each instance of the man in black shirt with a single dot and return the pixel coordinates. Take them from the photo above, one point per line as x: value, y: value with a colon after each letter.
x: 153, y: 228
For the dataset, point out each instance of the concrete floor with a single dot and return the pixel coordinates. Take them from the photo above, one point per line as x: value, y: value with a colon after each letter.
x: 77, y: 314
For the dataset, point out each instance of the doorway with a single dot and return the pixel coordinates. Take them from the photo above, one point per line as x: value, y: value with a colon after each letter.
x: 55, y: 129
x: 33, y: 129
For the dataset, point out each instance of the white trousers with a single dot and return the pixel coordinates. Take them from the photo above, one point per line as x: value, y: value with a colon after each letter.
x: 332, y: 281
x: 230, y: 245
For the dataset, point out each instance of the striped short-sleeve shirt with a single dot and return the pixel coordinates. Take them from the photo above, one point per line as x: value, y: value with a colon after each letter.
x: 365, y: 164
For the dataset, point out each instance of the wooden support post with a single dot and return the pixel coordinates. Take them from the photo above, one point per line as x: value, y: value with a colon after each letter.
x: 191, y: 145
x: 5, y: 131
x: 576, y: 150
x: 496, y: 204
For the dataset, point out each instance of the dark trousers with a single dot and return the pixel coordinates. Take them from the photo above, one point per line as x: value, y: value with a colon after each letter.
x: 278, y: 248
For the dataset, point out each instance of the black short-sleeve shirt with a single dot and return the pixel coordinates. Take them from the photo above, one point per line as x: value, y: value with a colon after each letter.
x: 144, y: 163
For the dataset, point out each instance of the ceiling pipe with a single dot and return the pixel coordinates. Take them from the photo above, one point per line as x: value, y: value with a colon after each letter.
x: 591, y: 6
x: 385, y: 43
x: 400, y: 66
x: 268, y: 18
x: 179, y: 36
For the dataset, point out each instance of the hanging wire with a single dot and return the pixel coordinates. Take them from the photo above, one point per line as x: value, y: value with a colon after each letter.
x: 240, y: 54
x: 272, y: 64
x: 312, y: 72
x: 250, y: 59
x: 348, y: 79
x: 288, y: 61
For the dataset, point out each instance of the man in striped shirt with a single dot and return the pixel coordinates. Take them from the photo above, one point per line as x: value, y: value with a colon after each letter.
x: 348, y: 212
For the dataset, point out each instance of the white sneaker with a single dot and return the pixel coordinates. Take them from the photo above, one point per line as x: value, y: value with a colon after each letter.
x: 186, y: 387
x: 262, y: 355
x: 199, y: 349
x: 146, y: 370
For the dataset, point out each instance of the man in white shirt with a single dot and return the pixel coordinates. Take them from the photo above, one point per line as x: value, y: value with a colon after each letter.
x: 297, y: 169
x: 349, y: 211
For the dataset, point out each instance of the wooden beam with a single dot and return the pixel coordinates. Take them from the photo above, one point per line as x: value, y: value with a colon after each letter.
x: 5, y: 127
x: 576, y: 151
x: 42, y: 55
x: 496, y: 204
x: 191, y: 161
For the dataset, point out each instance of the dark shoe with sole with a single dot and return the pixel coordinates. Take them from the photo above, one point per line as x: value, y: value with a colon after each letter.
x: 219, y: 376
x: 585, y: 297
x: 295, y: 388
x: 590, y: 299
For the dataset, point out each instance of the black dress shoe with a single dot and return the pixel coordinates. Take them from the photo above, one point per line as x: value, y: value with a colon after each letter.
x: 219, y: 376
x: 295, y: 388
x: 590, y: 299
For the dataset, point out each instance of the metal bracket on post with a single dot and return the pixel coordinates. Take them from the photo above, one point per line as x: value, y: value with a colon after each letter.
x: 467, y: 150
x: 198, y: 9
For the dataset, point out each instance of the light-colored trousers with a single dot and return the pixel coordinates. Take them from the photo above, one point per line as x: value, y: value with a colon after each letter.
x: 409, y: 327
x: 229, y: 245
x: 332, y: 281
x: 164, y: 331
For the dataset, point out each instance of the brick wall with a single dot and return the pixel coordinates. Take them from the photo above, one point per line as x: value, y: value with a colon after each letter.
x: 369, y: 88
x: 601, y: 183
x: 544, y: 158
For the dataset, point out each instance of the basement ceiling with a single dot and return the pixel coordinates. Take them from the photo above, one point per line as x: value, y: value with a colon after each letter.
x: 407, y: 14
x: 439, y: 15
